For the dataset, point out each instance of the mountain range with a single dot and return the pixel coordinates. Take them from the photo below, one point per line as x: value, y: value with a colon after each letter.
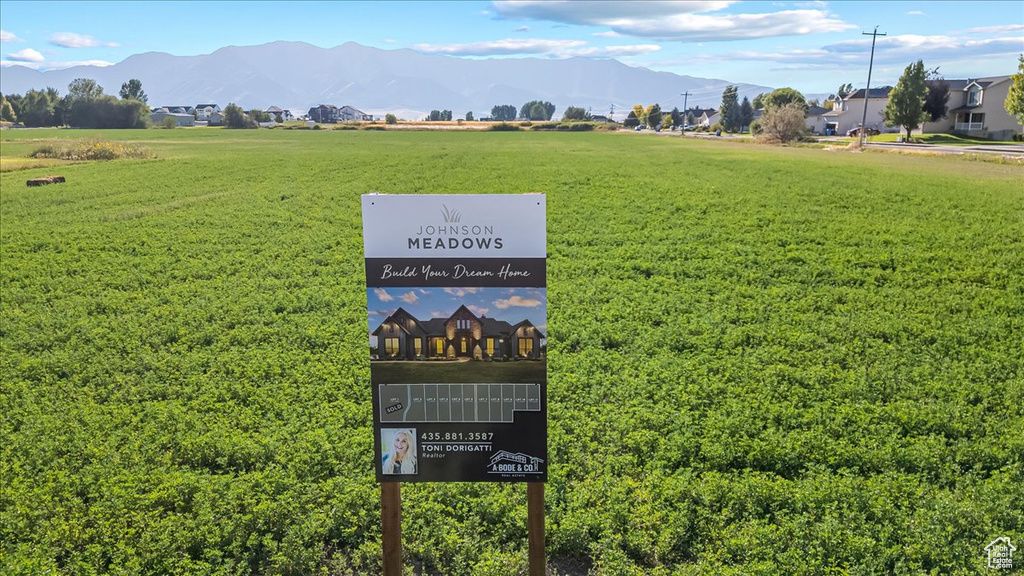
x: 297, y: 76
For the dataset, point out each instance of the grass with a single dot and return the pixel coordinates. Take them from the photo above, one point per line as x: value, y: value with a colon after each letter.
x: 762, y: 360
x: 943, y: 139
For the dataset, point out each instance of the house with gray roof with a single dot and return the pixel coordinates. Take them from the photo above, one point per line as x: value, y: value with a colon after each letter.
x: 975, y: 108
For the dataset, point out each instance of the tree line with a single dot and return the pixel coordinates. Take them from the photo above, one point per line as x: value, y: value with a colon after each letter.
x: 84, y: 106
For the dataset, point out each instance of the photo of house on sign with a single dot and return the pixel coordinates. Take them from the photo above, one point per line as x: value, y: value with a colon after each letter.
x: 437, y: 324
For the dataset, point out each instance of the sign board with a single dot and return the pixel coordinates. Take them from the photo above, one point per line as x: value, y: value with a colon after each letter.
x: 456, y: 291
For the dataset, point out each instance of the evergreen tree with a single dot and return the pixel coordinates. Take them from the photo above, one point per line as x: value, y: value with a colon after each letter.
x: 653, y: 115
x: 746, y: 113
x: 730, y: 108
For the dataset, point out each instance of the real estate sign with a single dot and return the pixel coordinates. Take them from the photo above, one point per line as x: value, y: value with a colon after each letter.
x: 456, y: 292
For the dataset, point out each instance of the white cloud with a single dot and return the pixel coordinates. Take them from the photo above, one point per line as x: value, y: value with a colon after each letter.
x: 608, y: 34
x: 997, y: 29
x: 26, y: 55
x: 383, y: 295
x: 508, y: 46
x: 390, y: 41
x: 72, y: 40
x: 479, y: 311
x: 503, y: 304
x: 460, y: 292
x: 900, y: 50
x: 612, y: 51
x: 6, y: 36
x: 555, y: 48
x: 410, y: 297
x: 915, y: 13
x: 60, y: 65
x: 598, y: 12
x: 683, y: 21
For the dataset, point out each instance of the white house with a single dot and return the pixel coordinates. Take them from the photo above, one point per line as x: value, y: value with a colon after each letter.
x: 204, y: 111
x: 848, y: 112
x: 286, y: 115
x: 349, y: 113
x: 708, y: 118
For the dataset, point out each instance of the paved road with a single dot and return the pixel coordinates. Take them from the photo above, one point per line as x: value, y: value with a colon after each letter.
x: 1002, y: 149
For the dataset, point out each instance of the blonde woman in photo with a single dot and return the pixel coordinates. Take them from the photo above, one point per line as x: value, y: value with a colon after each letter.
x: 400, y: 456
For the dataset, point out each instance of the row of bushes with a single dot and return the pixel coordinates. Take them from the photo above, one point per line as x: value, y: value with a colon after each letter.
x: 90, y: 150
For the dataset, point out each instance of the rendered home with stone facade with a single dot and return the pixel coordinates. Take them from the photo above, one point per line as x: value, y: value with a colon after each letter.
x: 401, y: 336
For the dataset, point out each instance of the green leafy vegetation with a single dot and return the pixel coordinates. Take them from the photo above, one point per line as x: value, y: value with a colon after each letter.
x: 788, y: 361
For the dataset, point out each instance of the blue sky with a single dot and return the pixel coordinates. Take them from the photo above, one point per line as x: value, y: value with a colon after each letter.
x: 812, y: 46
x: 510, y: 304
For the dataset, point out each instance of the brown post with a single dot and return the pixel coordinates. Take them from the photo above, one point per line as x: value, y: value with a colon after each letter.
x: 535, y: 527
x: 391, y: 524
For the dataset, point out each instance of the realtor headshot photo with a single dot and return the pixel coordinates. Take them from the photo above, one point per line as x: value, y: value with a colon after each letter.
x: 398, y: 446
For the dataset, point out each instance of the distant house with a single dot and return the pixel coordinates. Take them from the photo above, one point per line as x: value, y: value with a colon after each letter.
x: 324, y: 114
x: 204, y: 111
x: 346, y: 113
x: 286, y: 115
x: 401, y: 336
x: 329, y: 114
x: 816, y: 120
x: 182, y: 119
x: 215, y: 119
x: 696, y: 114
x: 975, y: 108
x: 848, y: 112
x: 709, y: 117
x: 177, y: 109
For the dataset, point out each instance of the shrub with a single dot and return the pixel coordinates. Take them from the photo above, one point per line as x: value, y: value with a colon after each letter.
x: 504, y: 127
x: 783, y: 124
x: 169, y: 123
x: 715, y: 127
x: 755, y: 127
x: 1018, y: 137
x: 90, y: 150
x: 390, y: 119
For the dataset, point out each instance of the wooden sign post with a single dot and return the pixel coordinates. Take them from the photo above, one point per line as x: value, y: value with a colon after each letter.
x: 456, y: 291
x: 391, y: 524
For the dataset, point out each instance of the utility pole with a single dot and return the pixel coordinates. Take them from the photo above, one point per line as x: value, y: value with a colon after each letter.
x: 611, y: 113
x: 863, y: 127
x: 686, y: 97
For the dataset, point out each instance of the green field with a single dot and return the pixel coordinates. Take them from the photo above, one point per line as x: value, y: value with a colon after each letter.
x: 762, y: 360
